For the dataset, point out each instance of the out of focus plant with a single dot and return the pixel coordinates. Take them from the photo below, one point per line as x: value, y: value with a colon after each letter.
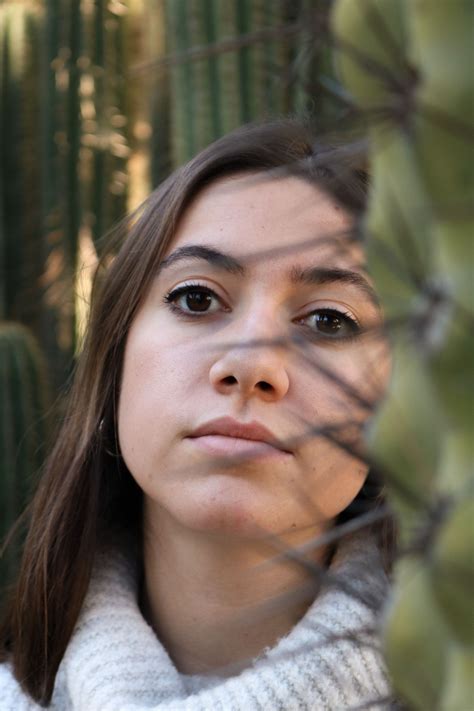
x: 407, y: 65
x: 23, y: 427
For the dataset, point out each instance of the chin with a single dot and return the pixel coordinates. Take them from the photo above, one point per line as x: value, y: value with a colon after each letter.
x: 221, y: 504
x: 225, y: 520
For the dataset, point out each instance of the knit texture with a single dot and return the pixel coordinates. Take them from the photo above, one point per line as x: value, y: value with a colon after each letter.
x: 330, y: 660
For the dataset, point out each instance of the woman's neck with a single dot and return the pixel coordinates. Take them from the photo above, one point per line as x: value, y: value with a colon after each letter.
x: 216, y: 602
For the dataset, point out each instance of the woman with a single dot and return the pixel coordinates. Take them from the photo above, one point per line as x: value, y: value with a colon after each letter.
x: 183, y: 552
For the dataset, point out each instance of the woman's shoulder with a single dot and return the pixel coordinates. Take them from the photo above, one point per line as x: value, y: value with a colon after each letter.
x: 12, y: 696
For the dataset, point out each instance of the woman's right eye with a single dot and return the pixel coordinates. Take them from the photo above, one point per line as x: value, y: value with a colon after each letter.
x: 192, y: 299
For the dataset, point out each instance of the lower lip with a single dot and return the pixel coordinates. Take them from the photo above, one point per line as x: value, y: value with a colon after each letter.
x: 221, y: 445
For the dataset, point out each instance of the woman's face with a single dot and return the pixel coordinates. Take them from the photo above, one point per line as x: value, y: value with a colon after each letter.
x: 257, y: 315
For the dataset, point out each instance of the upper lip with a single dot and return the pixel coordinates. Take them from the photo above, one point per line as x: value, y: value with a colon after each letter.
x: 228, y: 427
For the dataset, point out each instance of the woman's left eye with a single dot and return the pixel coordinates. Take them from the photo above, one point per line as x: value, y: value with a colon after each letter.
x: 192, y: 299
x: 332, y: 324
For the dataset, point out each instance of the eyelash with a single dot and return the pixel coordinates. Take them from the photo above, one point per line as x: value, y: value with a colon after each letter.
x: 351, y: 323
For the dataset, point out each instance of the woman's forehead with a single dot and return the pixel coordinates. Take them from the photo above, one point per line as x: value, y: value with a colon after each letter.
x: 256, y: 217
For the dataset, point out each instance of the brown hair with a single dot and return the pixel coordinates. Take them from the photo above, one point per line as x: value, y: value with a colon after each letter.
x: 85, y: 491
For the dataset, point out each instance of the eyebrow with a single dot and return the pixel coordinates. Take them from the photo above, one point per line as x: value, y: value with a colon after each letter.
x: 213, y: 256
x: 307, y: 276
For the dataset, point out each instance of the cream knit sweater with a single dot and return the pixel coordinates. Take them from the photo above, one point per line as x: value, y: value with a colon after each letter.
x: 329, y: 661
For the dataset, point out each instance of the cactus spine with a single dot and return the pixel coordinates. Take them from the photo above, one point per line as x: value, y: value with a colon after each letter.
x: 404, y: 63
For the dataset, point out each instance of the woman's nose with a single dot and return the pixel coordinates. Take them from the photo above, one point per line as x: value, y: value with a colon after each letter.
x: 254, y: 364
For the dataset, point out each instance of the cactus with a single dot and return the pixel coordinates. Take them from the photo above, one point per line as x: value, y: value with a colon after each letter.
x: 404, y: 64
x: 104, y: 132
x: 73, y: 124
x: 213, y: 92
x: 23, y: 430
x: 21, y: 252
x: 32, y: 186
x: 159, y: 108
x: 56, y: 332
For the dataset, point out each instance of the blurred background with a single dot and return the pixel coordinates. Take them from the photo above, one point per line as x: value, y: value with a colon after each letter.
x: 100, y: 100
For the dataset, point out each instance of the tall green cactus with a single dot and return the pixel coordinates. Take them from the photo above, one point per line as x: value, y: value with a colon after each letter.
x: 32, y: 195
x: 19, y: 158
x: 213, y: 92
x: 407, y: 64
x: 23, y: 426
x: 104, y: 105
x: 159, y: 92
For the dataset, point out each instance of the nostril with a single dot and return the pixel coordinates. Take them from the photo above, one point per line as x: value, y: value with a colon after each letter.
x: 229, y: 380
x: 265, y: 386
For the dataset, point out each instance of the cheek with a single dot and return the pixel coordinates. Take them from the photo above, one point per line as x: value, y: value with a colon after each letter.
x: 343, y: 487
x: 147, y: 393
x: 332, y: 478
x: 159, y: 380
x: 329, y: 388
x: 135, y: 411
x: 333, y: 395
x: 351, y: 382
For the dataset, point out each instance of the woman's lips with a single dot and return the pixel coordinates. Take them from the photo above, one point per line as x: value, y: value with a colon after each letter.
x: 225, y: 446
x: 225, y: 430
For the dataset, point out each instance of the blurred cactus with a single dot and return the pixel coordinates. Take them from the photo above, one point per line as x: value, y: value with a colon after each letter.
x: 19, y: 165
x: 404, y: 64
x: 104, y: 110
x: 63, y: 156
x: 159, y: 105
x: 233, y: 64
x: 23, y: 429
x: 32, y: 243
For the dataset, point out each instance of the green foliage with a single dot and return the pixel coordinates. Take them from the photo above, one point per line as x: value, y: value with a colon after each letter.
x: 405, y: 65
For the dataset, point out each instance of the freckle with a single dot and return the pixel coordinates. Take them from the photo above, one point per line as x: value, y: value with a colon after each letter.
x: 293, y: 525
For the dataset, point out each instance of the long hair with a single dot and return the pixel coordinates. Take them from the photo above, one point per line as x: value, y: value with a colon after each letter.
x: 85, y: 491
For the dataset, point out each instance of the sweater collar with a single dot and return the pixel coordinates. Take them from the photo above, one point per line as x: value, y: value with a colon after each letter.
x: 330, y: 659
